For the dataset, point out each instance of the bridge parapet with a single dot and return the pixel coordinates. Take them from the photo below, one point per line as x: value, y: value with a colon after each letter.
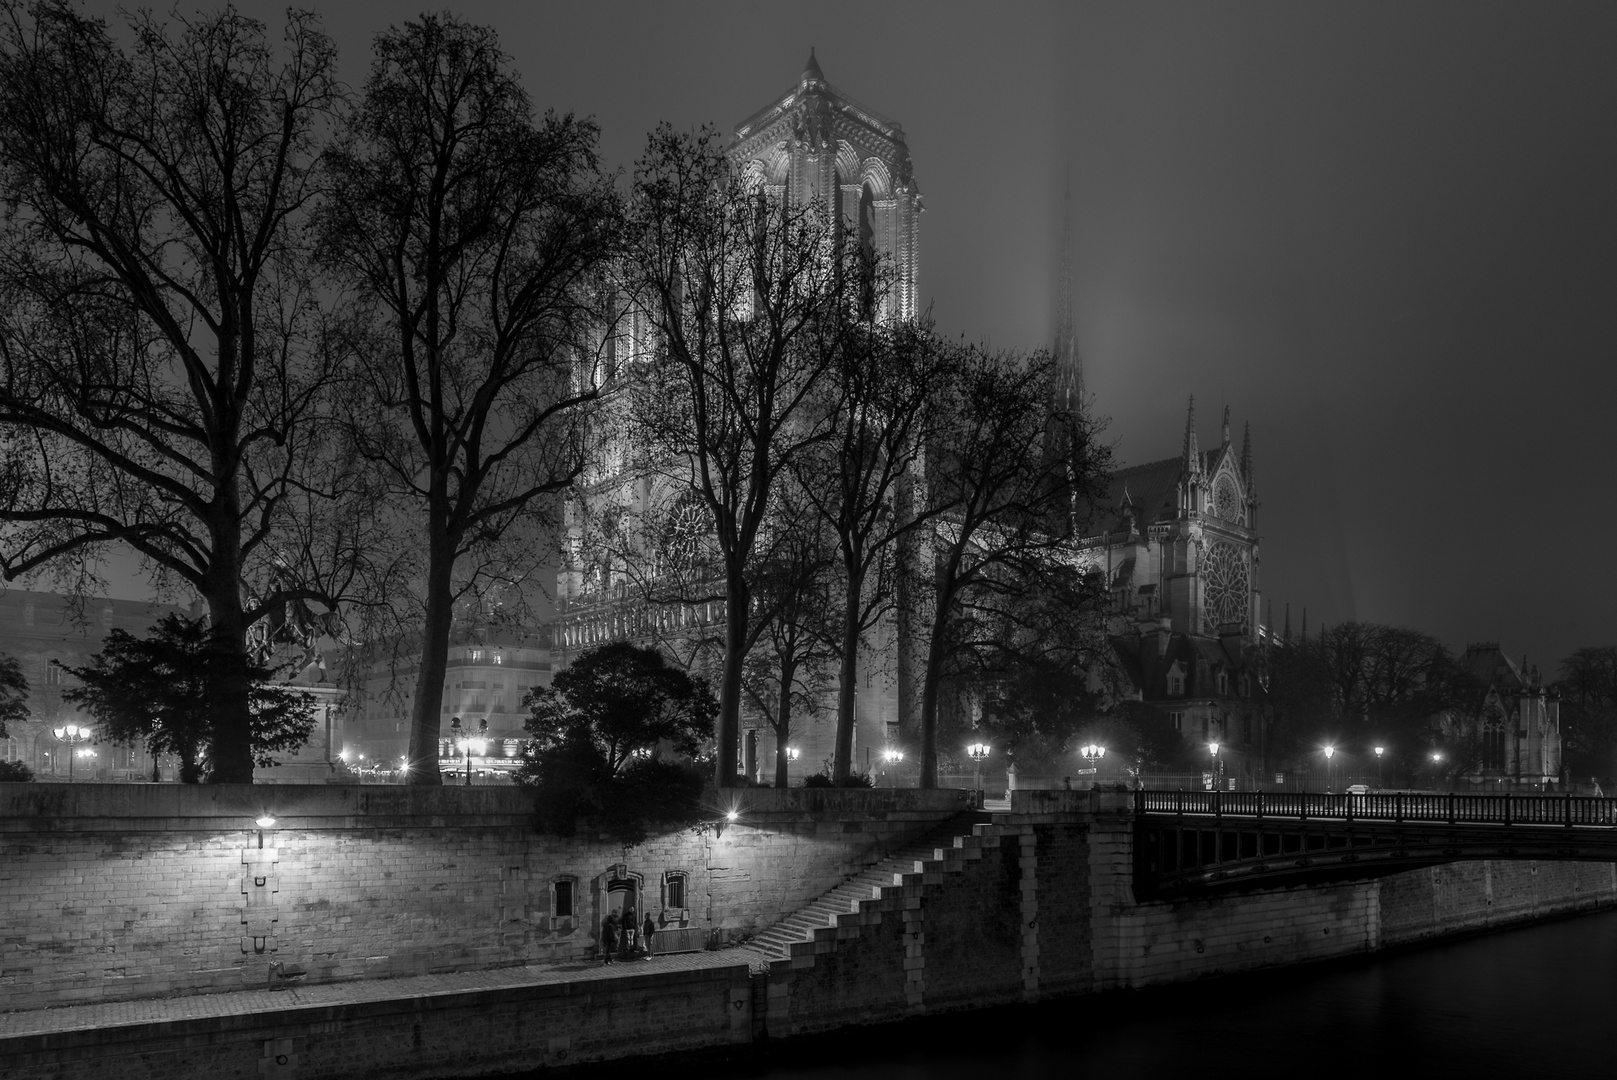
x: 1448, y: 808
x: 1195, y: 842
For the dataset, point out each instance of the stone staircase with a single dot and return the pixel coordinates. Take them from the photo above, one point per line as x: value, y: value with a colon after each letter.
x: 776, y: 942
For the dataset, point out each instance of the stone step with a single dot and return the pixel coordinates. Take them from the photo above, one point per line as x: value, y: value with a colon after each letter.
x: 822, y: 913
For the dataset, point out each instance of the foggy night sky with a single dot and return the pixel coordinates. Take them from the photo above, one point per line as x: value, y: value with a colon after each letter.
x: 1383, y: 233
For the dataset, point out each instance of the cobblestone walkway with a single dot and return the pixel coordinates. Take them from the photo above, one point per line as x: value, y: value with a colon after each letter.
x: 112, y: 1014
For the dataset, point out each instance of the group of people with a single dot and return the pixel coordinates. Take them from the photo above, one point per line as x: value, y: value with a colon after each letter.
x: 617, y: 936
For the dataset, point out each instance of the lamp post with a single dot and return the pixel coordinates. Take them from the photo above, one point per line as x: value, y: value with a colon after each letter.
x: 71, y: 735
x: 1379, y: 751
x: 791, y: 753
x: 468, y: 743
x: 1214, y: 748
x: 892, y: 756
x: 1092, y: 753
x: 977, y: 752
x: 1330, y: 752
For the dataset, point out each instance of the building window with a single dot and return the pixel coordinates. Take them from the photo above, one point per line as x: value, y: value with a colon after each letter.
x: 1176, y: 685
x: 1178, y: 719
x: 498, y: 659
x: 1223, y: 684
x: 561, y: 898
x: 53, y: 674
x: 674, y: 890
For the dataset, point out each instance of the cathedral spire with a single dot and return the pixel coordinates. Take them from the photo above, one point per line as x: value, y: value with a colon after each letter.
x: 1193, y: 453
x: 1069, y: 366
x: 1226, y: 425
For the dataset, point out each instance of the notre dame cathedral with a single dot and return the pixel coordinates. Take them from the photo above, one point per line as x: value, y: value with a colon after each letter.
x: 1175, y: 539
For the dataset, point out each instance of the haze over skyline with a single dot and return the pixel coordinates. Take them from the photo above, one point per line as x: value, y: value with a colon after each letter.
x: 1382, y: 234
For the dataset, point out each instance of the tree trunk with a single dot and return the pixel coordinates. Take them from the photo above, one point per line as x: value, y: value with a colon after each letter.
x: 943, y: 597
x: 230, y: 743
x: 847, y: 686
x: 736, y: 599
x: 426, y: 714
x: 783, y: 723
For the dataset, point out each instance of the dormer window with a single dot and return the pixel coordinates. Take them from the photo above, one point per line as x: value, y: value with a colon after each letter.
x: 1223, y: 684
x: 1176, y: 681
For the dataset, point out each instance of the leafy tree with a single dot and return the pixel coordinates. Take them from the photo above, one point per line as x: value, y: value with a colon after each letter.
x: 596, y: 731
x: 1588, y: 690
x: 624, y: 700
x: 1362, y: 684
x: 155, y: 689
x: 161, y: 365
x: 15, y: 772
x: 476, y: 240
x: 13, y: 693
x: 751, y: 297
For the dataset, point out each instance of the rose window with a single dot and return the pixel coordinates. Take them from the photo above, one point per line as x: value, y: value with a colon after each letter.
x: 1226, y: 585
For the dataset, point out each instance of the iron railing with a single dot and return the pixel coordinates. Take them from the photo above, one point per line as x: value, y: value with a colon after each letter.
x: 1396, y: 806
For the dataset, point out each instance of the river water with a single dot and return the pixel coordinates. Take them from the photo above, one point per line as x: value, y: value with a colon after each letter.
x: 1534, y: 1002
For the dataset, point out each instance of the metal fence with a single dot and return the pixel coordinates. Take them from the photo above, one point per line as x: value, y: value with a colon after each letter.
x: 1398, y: 806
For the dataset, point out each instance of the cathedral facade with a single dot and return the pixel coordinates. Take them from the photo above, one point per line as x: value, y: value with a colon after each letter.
x: 1177, y: 545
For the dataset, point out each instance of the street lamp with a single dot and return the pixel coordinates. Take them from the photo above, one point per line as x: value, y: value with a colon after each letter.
x: 1213, y: 746
x: 1379, y: 751
x: 977, y: 752
x: 791, y: 753
x: 469, y: 743
x: 71, y: 735
x: 1330, y: 752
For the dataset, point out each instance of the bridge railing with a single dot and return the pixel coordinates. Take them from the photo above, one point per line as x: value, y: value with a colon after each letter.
x: 1398, y: 806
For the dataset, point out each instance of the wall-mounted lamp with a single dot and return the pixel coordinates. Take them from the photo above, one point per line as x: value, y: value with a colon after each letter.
x: 264, y: 821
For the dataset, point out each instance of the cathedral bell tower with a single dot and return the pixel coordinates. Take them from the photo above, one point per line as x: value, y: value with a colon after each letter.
x: 817, y: 145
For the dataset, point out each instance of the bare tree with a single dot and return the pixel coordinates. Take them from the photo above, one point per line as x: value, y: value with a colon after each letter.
x: 883, y: 404
x: 785, y: 675
x: 751, y: 300
x: 478, y: 243
x: 161, y: 366
x: 1004, y: 475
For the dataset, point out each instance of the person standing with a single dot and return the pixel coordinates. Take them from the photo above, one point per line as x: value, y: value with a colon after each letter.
x: 646, y: 931
x: 609, y: 936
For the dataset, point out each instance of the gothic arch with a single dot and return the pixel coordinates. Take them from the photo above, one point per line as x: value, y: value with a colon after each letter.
x: 875, y: 175
x: 847, y: 160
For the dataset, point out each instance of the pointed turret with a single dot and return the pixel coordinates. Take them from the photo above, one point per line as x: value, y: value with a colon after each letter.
x: 1246, y: 459
x: 1193, y: 454
x: 1226, y: 425
x: 811, y: 70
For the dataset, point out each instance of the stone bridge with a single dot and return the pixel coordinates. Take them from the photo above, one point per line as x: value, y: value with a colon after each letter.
x: 1190, y: 843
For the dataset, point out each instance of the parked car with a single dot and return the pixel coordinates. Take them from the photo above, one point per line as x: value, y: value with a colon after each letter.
x: 1358, y: 789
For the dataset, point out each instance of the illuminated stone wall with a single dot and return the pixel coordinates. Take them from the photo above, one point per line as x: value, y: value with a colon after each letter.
x: 126, y: 891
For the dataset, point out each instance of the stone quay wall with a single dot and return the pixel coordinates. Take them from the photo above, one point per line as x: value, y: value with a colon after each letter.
x: 113, y: 892
x: 1040, y: 902
x: 1036, y: 903
x: 473, y: 1033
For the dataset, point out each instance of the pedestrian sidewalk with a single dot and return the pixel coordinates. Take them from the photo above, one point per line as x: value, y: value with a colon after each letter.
x: 113, y: 1014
